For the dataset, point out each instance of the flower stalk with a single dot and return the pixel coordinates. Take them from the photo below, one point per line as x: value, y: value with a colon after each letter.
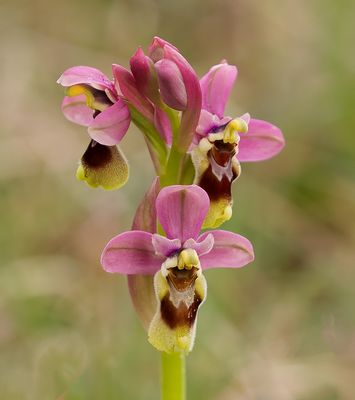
x: 173, y: 376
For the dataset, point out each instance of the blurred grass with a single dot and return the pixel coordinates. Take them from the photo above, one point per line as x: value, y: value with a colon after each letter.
x: 282, y: 328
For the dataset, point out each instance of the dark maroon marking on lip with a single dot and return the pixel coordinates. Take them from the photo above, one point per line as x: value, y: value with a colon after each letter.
x: 97, y: 155
x: 218, y: 177
x: 223, y: 152
x: 182, y: 279
x: 181, y: 315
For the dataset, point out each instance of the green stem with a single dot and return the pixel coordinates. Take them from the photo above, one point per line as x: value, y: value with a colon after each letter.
x: 170, y: 168
x: 157, y: 144
x: 175, y: 163
x: 173, y: 380
x: 174, y: 166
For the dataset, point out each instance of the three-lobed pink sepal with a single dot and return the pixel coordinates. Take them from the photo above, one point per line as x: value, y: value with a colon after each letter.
x: 216, y: 87
x: 181, y: 211
x: 130, y: 253
x: 109, y: 127
x: 262, y: 141
x: 230, y: 250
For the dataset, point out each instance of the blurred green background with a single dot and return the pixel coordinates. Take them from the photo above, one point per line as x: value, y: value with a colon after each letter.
x: 283, y: 328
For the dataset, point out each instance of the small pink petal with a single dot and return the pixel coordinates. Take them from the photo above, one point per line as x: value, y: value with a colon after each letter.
x: 85, y: 75
x: 206, y: 122
x: 171, y: 84
x: 164, y: 246
x: 216, y: 87
x: 262, y: 141
x: 76, y: 110
x: 110, y: 125
x: 125, y: 84
x: 181, y: 210
x: 202, y: 246
x: 230, y: 250
x: 145, y: 218
x: 130, y: 253
x: 209, y: 122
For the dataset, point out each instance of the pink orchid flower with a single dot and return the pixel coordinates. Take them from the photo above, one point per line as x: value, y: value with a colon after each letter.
x: 221, y: 142
x: 177, y: 262
x: 91, y: 100
x: 161, y: 91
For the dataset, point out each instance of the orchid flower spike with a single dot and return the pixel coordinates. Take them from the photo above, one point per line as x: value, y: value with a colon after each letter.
x: 221, y: 142
x: 177, y: 262
x: 92, y: 101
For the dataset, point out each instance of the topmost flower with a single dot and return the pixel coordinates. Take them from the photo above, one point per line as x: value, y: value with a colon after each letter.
x: 91, y: 100
x: 177, y: 261
x: 161, y: 94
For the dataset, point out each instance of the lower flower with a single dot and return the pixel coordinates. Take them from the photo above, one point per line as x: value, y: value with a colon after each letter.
x: 177, y: 262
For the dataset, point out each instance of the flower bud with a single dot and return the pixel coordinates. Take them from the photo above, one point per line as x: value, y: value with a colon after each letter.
x: 172, y: 87
x: 145, y: 76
